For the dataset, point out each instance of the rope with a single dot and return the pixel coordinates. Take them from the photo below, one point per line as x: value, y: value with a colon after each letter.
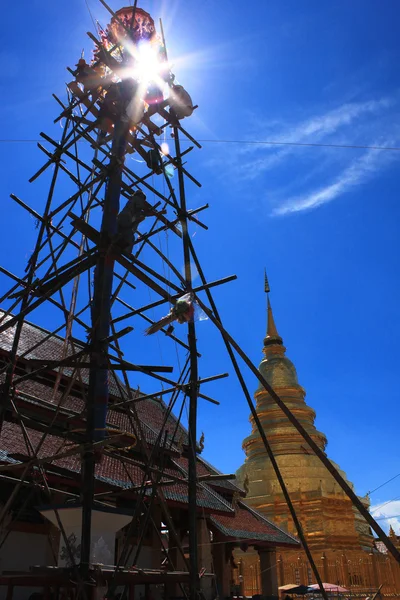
x: 91, y: 16
x: 253, y: 142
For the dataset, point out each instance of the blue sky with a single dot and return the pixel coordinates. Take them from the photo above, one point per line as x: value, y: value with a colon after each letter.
x: 323, y: 220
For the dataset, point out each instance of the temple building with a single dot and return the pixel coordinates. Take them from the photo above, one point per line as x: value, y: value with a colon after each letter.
x: 40, y: 535
x: 339, y: 538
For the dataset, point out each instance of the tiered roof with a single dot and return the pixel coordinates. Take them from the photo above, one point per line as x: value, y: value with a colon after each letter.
x: 35, y: 398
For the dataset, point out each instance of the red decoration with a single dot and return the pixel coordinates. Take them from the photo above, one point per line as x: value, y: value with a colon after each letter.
x: 143, y: 28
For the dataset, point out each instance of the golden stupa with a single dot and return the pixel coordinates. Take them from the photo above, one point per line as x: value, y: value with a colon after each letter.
x: 339, y: 538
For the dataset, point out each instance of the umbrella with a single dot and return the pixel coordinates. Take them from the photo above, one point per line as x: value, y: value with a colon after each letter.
x: 293, y: 588
x: 328, y: 587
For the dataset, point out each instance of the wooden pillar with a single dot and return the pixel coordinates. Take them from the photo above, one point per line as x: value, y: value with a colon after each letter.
x: 131, y: 591
x: 207, y: 584
x: 154, y: 591
x: 10, y: 591
x: 241, y: 577
x: 281, y: 571
x: 222, y: 555
x: 258, y: 578
x: 147, y: 594
x: 176, y: 559
x: 155, y: 533
x: 269, y: 576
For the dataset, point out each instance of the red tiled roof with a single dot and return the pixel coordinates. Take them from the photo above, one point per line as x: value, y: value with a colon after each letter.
x: 34, y: 343
x: 247, y: 524
x: 153, y: 412
x: 32, y: 335
x: 204, y: 468
x: 109, y: 470
x: 41, y: 391
x: 30, y: 390
x: 123, y: 421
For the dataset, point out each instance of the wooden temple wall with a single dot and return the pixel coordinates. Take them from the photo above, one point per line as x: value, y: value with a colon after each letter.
x: 361, y: 573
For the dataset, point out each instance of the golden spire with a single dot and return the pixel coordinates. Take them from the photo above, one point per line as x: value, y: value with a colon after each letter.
x: 266, y: 283
x: 272, y: 336
x: 391, y: 532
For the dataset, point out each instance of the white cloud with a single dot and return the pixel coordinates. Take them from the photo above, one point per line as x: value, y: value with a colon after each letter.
x: 330, y: 122
x: 315, y: 129
x: 303, y: 179
x: 357, y: 173
x: 388, y: 513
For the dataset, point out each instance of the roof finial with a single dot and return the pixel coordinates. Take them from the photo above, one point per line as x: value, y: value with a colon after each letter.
x: 272, y: 336
x: 266, y: 284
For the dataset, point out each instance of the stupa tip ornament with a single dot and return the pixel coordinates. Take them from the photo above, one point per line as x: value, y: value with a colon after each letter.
x: 272, y: 336
x: 277, y: 369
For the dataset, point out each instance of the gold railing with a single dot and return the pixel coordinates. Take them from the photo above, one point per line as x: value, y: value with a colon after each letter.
x: 360, y: 574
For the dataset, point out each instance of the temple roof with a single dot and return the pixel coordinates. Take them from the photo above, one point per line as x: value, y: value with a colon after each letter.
x: 247, y: 524
x: 37, y: 399
x: 34, y: 345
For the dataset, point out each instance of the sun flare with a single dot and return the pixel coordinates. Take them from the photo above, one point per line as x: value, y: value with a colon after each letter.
x: 146, y: 64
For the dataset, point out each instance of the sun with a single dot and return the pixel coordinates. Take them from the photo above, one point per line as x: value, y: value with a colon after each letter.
x: 147, y: 65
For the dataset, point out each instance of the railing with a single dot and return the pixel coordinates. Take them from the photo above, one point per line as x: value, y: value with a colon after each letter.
x: 361, y: 575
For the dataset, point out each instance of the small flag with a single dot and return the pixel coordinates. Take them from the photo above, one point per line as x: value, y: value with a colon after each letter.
x: 266, y: 284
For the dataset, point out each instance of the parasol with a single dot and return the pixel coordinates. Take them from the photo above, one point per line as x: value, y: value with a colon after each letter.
x: 293, y: 588
x: 328, y: 587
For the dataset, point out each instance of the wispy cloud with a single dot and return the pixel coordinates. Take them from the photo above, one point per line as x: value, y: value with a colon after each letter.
x: 315, y: 129
x: 358, y: 172
x: 330, y: 122
x: 367, y: 123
